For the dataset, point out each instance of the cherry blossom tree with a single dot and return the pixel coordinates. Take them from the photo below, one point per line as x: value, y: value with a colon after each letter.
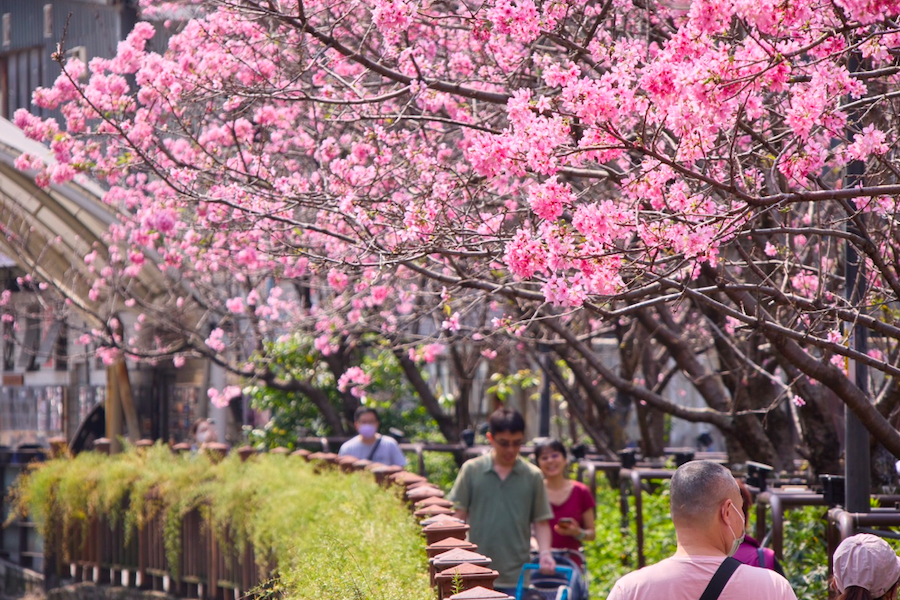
x: 712, y: 182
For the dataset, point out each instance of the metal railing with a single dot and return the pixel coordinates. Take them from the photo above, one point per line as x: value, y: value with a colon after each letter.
x: 207, y: 567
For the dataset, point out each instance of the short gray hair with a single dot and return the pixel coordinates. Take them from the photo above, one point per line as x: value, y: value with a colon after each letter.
x: 698, y: 488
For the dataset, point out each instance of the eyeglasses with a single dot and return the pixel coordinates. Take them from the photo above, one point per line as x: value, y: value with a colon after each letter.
x: 509, y: 443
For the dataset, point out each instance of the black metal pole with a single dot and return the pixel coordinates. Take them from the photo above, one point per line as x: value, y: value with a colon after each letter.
x: 544, y: 429
x: 857, y: 469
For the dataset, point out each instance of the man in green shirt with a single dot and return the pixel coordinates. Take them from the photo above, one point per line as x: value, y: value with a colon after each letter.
x: 500, y: 495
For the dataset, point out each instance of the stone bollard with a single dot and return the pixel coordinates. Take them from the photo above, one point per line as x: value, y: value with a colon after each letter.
x: 454, y: 558
x: 362, y: 464
x: 449, y: 544
x: 480, y: 593
x: 323, y: 460
x: 405, y: 479
x: 280, y: 451
x: 422, y: 492
x: 59, y: 447
x: 144, y: 443
x: 181, y: 448
x: 302, y: 453
x: 464, y: 577
x: 421, y: 485
x: 432, y: 511
x: 433, y: 501
x: 328, y: 458
x: 440, y: 519
x: 245, y: 452
x: 436, y: 532
x: 347, y: 464
x: 216, y: 451
x: 102, y: 445
x: 382, y: 472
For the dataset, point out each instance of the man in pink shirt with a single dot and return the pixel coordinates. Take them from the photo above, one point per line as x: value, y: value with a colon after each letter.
x: 705, y: 504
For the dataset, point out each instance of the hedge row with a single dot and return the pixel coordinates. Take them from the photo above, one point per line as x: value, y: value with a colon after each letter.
x: 328, y: 534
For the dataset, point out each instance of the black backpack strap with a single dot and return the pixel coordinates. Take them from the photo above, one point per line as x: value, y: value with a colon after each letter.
x: 374, y: 448
x: 761, y: 558
x: 718, y: 581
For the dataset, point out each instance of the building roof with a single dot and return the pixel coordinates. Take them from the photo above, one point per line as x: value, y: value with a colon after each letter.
x: 51, y: 230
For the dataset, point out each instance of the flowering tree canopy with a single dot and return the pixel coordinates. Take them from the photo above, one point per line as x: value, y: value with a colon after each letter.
x: 690, y: 177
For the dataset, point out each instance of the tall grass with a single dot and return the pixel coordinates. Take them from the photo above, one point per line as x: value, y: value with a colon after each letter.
x: 331, y: 535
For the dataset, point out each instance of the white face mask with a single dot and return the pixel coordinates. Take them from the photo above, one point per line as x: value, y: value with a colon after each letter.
x: 201, y: 437
x: 737, y: 540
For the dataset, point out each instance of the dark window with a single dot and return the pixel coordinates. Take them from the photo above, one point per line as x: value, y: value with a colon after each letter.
x: 28, y: 354
x: 61, y: 352
x: 9, y: 346
x: 20, y: 75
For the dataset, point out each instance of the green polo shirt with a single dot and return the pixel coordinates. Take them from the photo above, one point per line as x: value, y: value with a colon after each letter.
x: 500, y: 512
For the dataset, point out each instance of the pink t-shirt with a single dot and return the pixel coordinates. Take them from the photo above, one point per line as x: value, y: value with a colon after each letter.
x: 685, y: 578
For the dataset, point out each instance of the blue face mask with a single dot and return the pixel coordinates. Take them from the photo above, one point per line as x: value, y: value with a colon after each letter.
x: 367, y: 430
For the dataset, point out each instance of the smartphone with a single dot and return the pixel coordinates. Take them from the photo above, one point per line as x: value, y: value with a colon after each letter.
x: 567, y: 521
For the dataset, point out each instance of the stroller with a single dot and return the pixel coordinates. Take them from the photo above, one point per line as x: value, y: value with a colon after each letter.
x: 567, y: 583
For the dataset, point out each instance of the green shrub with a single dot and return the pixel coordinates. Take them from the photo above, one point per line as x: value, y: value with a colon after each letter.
x: 614, y: 552
x: 441, y: 469
x: 327, y: 533
x: 806, y: 552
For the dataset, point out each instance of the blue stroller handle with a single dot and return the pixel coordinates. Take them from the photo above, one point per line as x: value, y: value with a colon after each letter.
x: 567, y: 571
x: 562, y: 590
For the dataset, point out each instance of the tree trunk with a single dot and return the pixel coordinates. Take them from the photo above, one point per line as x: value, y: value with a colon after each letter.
x: 448, y: 428
x: 320, y: 399
x: 464, y: 378
x: 609, y: 421
x: 747, y: 430
x: 823, y: 446
x: 577, y: 409
x: 653, y: 422
x: 338, y: 363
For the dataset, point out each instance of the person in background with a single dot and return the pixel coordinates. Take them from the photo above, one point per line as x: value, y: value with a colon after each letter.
x: 203, y: 431
x: 865, y: 568
x: 705, y: 503
x: 369, y: 444
x: 572, y: 502
x: 501, y: 495
x: 573, y: 507
x: 750, y: 552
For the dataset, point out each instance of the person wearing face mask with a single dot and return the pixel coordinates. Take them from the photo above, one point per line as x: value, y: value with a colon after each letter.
x: 203, y: 431
x: 706, y: 508
x: 750, y: 552
x: 370, y: 444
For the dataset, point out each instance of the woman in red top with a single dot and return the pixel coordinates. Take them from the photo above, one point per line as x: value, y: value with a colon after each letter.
x: 572, y: 502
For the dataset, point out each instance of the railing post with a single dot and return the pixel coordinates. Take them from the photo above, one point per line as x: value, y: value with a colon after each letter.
x: 761, y: 500
x: 51, y: 568
x: 777, y: 525
x: 59, y: 447
x: 102, y: 445
x: 212, y: 572
x: 639, y: 516
x: 141, y: 580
